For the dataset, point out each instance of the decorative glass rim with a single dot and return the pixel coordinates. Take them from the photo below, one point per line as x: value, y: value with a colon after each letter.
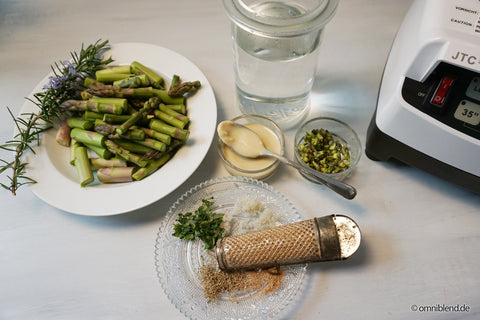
x: 246, y: 18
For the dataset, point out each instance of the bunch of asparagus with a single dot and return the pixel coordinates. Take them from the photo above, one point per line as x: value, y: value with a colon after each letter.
x: 127, y: 124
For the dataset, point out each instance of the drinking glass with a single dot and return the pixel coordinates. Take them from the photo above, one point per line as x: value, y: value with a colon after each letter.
x: 276, y: 49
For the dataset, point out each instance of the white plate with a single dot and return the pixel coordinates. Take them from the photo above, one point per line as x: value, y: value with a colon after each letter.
x: 57, y: 182
x: 178, y: 261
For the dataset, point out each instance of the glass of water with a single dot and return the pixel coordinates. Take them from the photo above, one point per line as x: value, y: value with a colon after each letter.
x: 276, y: 46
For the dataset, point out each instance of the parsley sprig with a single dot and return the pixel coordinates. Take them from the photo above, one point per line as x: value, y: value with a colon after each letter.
x: 65, y: 83
x: 203, y: 223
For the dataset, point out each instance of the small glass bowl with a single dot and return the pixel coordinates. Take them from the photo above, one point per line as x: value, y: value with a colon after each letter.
x: 341, y: 132
x: 260, y: 173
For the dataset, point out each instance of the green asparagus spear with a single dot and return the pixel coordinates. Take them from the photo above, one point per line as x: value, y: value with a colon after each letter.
x: 175, y: 81
x: 91, y: 82
x: 63, y: 134
x: 169, y: 119
x: 133, y: 146
x: 86, y: 95
x: 108, y: 130
x: 82, y: 105
x: 133, y: 82
x: 144, y: 92
x: 97, y: 163
x: 137, y: 116
x: 162, y: 94
x: 180, y: 108
x: 184, y: 88
x: 115, y: 174
x: 116, y: 91
x: 115, y: 118
x: 73, y: 146
x: 111, y: 77
x: 135, y: 133
x: 177, y: 133
x: 102, y: 152
x: 82, y: 164
x: 182, y: 118
x: 91, y: 115
x: 152, y: 166
x: 125, y: 154
x: 88, y: 137
x: 104, y: 128
x: 144, y: 79
x: 125, y: 69
x: 112, y: 74
x: 157, y: 135
x: 154, y: 144
x: 174, y: 145
x: 120, y: 105
x: 155, y: 79
x: 80, y: 123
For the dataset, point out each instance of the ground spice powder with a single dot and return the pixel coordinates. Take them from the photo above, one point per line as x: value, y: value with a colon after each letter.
x: 215, y: 281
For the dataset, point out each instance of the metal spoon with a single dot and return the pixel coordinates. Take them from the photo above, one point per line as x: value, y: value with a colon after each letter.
x: 249, y: 145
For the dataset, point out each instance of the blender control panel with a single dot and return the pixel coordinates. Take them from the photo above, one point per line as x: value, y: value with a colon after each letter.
x: 450, y: 94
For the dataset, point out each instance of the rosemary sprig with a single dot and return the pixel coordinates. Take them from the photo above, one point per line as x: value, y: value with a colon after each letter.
x: 65, y: 83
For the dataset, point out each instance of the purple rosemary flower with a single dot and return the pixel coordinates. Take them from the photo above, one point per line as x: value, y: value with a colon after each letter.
x: 56, y: 82
x: 70, y: 67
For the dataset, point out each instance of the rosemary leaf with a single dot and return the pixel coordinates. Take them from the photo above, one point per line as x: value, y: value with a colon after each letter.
x: 65, y: 83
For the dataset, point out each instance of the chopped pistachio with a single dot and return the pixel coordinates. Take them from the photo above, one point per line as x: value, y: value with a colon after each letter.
x: 320, y: 151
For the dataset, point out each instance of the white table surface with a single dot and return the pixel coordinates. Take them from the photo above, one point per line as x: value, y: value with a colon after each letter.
x: 421, y: 242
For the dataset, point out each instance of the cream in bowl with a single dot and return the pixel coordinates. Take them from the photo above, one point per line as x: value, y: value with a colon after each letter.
x: 247, y: 142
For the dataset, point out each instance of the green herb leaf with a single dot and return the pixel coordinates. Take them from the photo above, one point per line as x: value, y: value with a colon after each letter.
x: 203, y: 223
x: 66, y: 82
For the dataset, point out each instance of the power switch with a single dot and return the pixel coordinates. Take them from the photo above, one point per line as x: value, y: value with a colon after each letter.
x: 440, y: 95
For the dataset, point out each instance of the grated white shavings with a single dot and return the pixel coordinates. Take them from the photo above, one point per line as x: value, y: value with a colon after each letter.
x: 249, y: 215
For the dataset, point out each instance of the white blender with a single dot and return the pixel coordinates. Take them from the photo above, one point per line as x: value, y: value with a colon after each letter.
x: 428, y: 108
